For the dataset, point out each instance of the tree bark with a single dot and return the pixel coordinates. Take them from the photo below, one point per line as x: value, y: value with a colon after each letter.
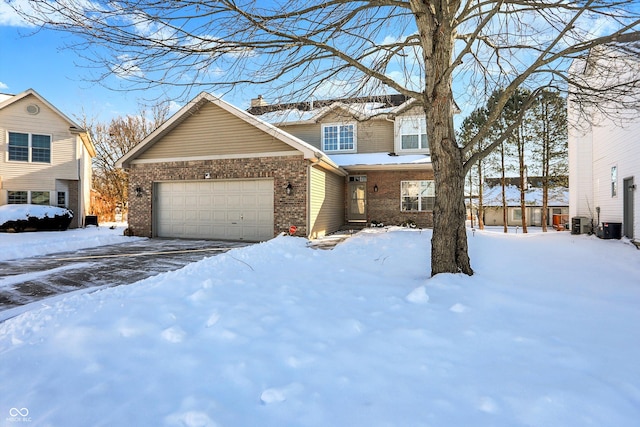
x: 449, y: 242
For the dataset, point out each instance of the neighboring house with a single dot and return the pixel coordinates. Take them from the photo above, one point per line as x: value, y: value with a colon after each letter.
x: 216, y: 171
x: 46, y: 156
x: 604, y: 156
x: 557, y: 203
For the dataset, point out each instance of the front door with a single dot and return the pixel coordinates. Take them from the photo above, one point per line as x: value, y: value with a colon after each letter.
x: 627, y: 219
x: 357, y: 201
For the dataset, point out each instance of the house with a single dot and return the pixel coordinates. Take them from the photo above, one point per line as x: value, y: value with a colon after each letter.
x: 493, y: 209
x: 604, y: 151
x: 46, y: 156
x: 216, y: 171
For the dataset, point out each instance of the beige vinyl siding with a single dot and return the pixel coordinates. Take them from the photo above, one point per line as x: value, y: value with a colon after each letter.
x: 309, y: 133
x: 326, y: 202
x: 373, y: 136
x: 37, y: 176
x: 213, y: 131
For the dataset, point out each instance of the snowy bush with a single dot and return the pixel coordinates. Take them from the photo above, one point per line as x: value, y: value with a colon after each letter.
x: 16, y: 218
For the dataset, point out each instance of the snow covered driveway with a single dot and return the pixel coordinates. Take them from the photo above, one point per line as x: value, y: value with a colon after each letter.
x: 28, y: 280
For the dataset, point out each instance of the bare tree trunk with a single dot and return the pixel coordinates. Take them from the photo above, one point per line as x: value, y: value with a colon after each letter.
x: 480, y: 199
x: 545, y: 166
x: 471, y: 199
x: 449, y: 242
x: 523, y: 185
x: 504, y: 196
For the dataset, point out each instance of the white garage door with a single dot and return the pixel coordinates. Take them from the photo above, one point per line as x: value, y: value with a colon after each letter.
x: 215, y: 209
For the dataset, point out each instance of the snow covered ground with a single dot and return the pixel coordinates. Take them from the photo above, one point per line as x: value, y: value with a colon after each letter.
x: 277, y: 334
x: 24, y: 245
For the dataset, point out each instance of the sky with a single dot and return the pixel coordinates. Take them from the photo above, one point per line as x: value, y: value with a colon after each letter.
x: 63, y: 79
x: 40, y: 62
x: 280, y: 334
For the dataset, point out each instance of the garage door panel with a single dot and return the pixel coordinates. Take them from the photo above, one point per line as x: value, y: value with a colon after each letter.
x: 217, y: 209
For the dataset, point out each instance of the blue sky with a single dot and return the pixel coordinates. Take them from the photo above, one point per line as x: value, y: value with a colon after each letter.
x: 40, y: 62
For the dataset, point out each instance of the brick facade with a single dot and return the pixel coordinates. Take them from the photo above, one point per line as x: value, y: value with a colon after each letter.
x: 384, y: 205
x: 288, y: 209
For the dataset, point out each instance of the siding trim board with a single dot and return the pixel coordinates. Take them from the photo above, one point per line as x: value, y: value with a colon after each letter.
x: 215, y: 157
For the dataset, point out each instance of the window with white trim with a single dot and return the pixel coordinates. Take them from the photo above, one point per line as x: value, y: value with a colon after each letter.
x: 40, y: 198
x: 17, y: 197
x: 516, y: 214
x: 31, y: 148
x: 417, y: 195
x: 62, y: 199
x: 614, y: 181
x: 31, y: 197
x: 339, y: 137
x: 411, y: 134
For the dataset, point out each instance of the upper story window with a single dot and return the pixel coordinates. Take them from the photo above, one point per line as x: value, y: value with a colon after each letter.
x: 411, y: 134
x: 26, y: 147
x: 339, y: 137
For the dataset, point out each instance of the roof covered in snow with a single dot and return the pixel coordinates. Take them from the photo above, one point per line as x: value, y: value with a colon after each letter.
x: 492, y: 196
x: 361, y: 108
x: 353, y: 161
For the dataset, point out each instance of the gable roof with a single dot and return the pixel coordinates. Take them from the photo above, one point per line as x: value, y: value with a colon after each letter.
x: 7, y: 100
x: 361, y: 108
x: 492, y: 196
x: 309, y: 151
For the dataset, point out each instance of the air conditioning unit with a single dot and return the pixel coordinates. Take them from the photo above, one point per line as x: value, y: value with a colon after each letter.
x: 580, y: 225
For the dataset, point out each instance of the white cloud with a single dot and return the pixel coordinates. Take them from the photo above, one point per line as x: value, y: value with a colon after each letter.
x: 3, y: 86
x: 9, y: 17
x: 127, y: 68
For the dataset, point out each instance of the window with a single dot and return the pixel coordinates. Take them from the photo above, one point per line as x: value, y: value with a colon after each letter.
x: 41, y: 148
x: 62, y: 199
x: 17, y: 197
x: 411, y: 134
x: 40, y: 198
x: 24, y: 147
x: 339, y: 137
x: 516, y: 214
x: 417, y: 195
x: 614, y: 181
x: 19, y: 147
x: 33, y: 197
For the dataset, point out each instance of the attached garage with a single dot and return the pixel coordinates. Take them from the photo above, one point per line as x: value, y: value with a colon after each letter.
x: 213, y: 171
x: 236, y: 209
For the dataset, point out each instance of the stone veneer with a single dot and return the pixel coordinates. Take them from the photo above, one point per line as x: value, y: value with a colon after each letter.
x: 288, y: 209
x: 384, y: 205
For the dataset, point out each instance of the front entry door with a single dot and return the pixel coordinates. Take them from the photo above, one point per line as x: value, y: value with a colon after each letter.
x: 357, y: 201
x: 627, y: 219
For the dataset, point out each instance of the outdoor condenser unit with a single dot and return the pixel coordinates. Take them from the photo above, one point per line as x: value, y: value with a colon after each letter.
x: 580, y: 225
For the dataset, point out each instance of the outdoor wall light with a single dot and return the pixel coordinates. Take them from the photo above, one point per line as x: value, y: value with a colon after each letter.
x: 207, y: 175
x: 138, y: 191
x: 289, y: 189
x: 375, y: 188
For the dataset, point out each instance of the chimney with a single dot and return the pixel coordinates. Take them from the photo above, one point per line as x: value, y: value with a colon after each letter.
x: 258, y: 102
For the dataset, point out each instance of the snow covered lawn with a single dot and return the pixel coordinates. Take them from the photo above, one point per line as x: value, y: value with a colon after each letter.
x: 25, y: 245
x: 278, y: 334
